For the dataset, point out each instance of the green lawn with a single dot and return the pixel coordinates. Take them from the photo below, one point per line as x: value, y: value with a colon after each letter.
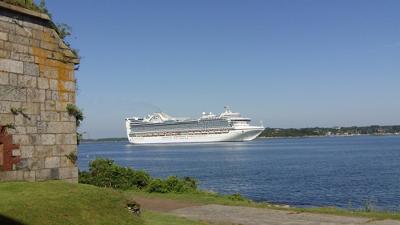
x: 61, y: 203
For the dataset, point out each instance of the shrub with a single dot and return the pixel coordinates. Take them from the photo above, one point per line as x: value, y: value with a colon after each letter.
x: 236, y: 197
x: 158, y: 186
x: 105, y: 173
x: 141, y: 179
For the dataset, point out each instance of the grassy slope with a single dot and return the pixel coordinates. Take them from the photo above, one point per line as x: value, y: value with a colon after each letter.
x: 57, y: 202
x: 62, y: 203
x: 211, y: 198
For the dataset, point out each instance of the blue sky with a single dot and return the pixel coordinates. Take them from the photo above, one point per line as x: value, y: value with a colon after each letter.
x: 288, y: 63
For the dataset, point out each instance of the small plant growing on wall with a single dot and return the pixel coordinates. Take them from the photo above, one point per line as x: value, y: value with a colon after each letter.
x: 19, y: 111
x: 3, y: 128
x: 72, y: 157
x: 74, y: 111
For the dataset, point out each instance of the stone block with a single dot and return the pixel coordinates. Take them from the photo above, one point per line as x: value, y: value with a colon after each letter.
x: 35, y: 95
x: 10, y: 93
x: 30, y: 176
x: 50, y: 72
x: 63, y: 96
x: 49, y: 116
x: 11, y: 175
x: 13, y: 66
x: 35, y: 139
x: 67, y: 173
x: 7, y: 26
x: 43, y: 83
x: 64, y: 116
x: 48, y: 139
x: 5, y: 53
x: 20, y: 130
x: 3, y: 78
x: 26, y: 81
x: 65, y: 162
x: 31, y: 130
x: 21, y: 139
x: 31, y: 108
x: 19, y: 39
x: 13, y: 79
x: 26, y: 151
x: 6, y: 119
x: 52, y: 162
x: 61, y: 106
x: 66, y: 139
x: 50, y: 105
x: 61, y: 127
x: 47, y: 174
x: 53, y: 84
x: 3, y: 36
x: 41, y: 127
x: 42, y: 151
x: 5, y: 106
x: 63, y: 150
x: 16, y: 152
x: 68, y: 85
x: 21, y: 120
x: 31, y: 69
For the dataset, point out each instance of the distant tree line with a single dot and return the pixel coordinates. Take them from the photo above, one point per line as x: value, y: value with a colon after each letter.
x: 318, y: 131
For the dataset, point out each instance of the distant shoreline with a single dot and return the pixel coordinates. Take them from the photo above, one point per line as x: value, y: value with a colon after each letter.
x: 260, y: 137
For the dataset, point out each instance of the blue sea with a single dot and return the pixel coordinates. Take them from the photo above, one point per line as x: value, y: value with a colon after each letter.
x: 343, y: 172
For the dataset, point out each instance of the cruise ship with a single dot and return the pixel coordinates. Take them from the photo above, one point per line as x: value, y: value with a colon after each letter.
x: 162, y: 128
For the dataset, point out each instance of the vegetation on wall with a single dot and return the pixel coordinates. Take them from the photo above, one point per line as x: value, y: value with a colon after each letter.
x: 74, y: 111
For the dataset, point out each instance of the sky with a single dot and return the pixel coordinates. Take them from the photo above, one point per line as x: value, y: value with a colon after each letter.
x: 297, y: 63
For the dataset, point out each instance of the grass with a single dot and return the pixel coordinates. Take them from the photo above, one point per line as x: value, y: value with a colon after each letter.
x: 61, y: 203
x: 213, y: 198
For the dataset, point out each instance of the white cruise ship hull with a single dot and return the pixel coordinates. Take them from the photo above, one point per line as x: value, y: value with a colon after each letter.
x: 240, y: 134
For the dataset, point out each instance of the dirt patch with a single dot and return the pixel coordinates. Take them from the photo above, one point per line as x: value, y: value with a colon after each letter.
x: 162, y: 205
x: 257, y: 216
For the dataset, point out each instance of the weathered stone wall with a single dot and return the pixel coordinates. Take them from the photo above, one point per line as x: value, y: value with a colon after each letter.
x: 36, y: 84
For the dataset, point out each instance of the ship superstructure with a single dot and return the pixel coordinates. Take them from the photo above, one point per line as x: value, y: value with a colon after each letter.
x: 159, y: 127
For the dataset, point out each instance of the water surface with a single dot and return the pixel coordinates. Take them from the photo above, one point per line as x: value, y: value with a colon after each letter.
x: 328, y: 171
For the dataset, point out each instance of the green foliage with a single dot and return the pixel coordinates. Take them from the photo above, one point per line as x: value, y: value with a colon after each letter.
x: 19, y: 111
x: 64, y: 30
x: 74, y: 111
x: 72, y: 157
x: 7, y: 126
x: 63, y: 203
x: 43, y: 8
x: 105, y: 173
x: 172, y: 184
x: 236, y: 197
x: 157, y: 186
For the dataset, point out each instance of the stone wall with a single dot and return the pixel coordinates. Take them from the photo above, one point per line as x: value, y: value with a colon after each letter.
x: 36, y: 84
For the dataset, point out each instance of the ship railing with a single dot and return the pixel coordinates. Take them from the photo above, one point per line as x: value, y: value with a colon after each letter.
x: 172, y: 133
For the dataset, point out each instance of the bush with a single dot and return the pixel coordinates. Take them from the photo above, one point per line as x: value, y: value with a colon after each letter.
x: 158, y: 186
x: 105, y: 173
x: 236, y: 197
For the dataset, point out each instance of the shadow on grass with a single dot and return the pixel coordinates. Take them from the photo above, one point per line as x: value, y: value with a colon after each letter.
x: 4, y: 220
